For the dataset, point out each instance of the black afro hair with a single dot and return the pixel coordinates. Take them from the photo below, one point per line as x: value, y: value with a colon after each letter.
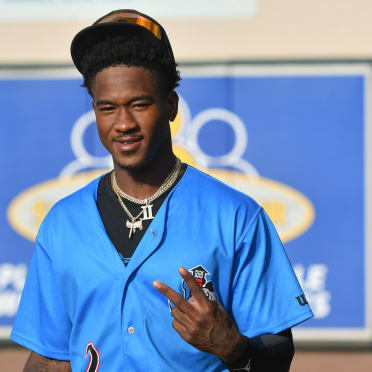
x: 131, y: 50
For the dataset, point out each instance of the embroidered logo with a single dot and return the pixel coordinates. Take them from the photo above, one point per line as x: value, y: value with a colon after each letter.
x: 94, y: 360
x: 302, y: 301
x: 200, y: 273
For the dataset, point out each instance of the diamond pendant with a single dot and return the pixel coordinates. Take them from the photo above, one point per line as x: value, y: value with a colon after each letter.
x: 133, y: 226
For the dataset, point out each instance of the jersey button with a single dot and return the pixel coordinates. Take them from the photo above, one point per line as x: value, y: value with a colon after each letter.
x: 131, y: 330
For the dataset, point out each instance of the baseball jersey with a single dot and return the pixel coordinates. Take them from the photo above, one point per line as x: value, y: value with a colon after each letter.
x: 80, y: 303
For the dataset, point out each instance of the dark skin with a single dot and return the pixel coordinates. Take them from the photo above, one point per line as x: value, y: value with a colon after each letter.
x: 38, y: 363
x: 133, y: 114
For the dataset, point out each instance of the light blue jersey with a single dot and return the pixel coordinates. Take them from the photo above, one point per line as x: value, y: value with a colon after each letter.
x: 80, y: 303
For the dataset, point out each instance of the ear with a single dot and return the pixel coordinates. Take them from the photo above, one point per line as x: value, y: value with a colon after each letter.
x: 172, y: 100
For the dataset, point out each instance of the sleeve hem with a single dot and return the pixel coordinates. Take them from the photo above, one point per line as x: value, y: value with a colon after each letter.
x: 38, y: 349
x: 282, y: 326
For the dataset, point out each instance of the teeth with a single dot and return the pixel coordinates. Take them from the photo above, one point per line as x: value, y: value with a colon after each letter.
x: 126, y: 142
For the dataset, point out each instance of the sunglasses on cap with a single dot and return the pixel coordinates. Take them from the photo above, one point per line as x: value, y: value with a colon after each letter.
x: 132, y: 17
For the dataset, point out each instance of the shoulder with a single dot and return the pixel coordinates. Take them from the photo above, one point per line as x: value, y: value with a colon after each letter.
x: 72, y: 207
x: 86, y: 194
x: 210, y: 188
x: 215, y: 198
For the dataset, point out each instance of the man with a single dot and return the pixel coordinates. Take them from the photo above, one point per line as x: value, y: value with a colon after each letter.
x: 154, y: 266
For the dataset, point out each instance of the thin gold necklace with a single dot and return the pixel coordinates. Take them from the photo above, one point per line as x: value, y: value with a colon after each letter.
x: 135, y: 222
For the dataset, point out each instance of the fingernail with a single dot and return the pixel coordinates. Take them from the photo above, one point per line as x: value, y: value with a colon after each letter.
x: 182, y: 270
x: 156, y: 284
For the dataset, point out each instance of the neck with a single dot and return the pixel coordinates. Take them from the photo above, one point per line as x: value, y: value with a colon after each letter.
x: 144, y: 183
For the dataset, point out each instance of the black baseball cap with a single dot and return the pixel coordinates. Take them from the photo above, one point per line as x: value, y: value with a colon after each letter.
x: 116, y: 23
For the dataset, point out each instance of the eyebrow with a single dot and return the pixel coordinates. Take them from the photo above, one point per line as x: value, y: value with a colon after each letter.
x: 134, y: 99
x: 103, y: 102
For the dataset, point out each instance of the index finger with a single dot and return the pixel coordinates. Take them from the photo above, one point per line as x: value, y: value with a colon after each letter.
x: 194, y: 287
x: 173, y: 296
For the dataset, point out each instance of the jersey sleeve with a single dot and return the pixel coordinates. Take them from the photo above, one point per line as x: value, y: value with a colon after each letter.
x: 267, y: 297
x: 41, y: 324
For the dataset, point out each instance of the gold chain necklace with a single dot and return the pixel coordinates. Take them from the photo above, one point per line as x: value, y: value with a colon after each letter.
x: 135, y: 222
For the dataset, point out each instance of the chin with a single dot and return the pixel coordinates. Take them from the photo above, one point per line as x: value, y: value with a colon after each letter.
x: 132, y: 165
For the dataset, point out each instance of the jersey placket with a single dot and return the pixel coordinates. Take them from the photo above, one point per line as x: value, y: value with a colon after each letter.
x: 131, y: 308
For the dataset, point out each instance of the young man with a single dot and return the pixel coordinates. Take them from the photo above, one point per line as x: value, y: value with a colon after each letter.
x: 154, y: 266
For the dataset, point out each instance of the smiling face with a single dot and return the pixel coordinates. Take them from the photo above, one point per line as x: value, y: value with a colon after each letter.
x: 133, y: 114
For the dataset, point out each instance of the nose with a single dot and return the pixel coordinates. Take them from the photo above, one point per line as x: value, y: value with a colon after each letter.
x: 125, y: 121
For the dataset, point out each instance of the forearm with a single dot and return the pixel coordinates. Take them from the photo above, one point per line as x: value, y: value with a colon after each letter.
x: 263, y: 353
x: 38, y: 363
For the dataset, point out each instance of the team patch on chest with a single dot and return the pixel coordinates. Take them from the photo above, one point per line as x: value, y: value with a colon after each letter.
x: 200, y: 275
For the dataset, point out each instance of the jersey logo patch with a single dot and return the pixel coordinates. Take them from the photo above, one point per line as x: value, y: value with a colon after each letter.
x: 302, y: 301
x: 94, y: 360
x: 200, y: 273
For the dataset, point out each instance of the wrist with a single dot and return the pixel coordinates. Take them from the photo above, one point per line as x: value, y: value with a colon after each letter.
x: 235, y: 351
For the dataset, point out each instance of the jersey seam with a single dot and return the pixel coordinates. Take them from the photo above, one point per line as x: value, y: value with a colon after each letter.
x: 247, y: 229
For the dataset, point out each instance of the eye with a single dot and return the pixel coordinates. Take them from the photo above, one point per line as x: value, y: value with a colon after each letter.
x: 141, y: 105
x: 107, y: 108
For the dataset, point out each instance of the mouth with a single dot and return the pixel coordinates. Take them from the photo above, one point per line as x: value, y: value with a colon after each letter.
x: 128, y: 143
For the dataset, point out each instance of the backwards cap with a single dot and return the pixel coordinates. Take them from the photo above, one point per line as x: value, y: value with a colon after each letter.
x: 117, y: 23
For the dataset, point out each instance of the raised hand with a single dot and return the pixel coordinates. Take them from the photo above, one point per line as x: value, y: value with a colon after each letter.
x: 203, y: 323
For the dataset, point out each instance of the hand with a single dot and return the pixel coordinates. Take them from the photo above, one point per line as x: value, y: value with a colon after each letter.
x: 203, y: 323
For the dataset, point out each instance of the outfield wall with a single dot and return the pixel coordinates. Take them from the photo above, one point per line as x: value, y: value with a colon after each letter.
x: 295, y: 137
